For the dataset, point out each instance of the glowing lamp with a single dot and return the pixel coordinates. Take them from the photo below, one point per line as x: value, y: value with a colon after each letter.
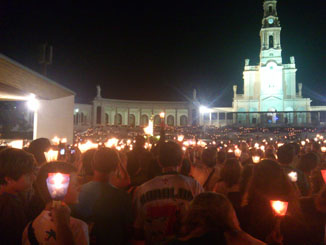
x: 162, y: 115
x: 256, y: 159
x: 56, y: 140
x: 57, y: 184
x: 237, y: 152
x: 279, y: 207
x: 303, y: 143
x: 323, y: 173
x: 262, y: 148
x: 180, y: 138
x: 64, y: 140
x: 293, y: 176
x: 230, y: 151
x: 51, y: 155
x: 323, y: 149
x: 32, y: 103
x: 18, y: 144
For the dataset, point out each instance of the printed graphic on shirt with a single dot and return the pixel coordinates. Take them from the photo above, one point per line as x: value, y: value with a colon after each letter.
x: 50, y: 234
x: 166, y: 193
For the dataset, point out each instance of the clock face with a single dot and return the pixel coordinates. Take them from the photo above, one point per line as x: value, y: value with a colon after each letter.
x: 270, y: 21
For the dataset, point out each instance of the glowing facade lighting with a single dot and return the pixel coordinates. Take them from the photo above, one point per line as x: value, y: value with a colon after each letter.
x: 204, y: 109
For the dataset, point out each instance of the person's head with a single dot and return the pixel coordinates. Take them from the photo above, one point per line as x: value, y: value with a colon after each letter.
x: 57, y: 167
x: 209, y: 156
x: 170, y: 154
x: 315, y: 147
x: 221, y: 157
x: 269, y: 154
x: 105, y: 160
x: 210, y: 212
x: 308, y: 162
x: 286, y: 154
x: 17, y: 169
x: 87, y: 162
x: 270, y: 182
x: 38, y: 147
x: 231, y: 172
x: 140, y: 141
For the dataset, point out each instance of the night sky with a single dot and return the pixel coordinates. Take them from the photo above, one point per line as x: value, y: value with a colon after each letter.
x: 162, y: 50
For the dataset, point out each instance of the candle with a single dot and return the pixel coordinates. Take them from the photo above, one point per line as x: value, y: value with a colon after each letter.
x: 57, y: 184
x: 303, y: 143
x: 279, y: 207
x: 56, y: 140
x: 256, y: 159
x: 51, y: 155
x: 162, y: 115
x: 180, y: 138
x: 323, y: 149
x: 323, y: 173
x: 237, y: 152
x: 293, y: 176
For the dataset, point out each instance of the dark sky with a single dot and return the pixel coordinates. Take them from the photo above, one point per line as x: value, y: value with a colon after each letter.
x: 161, y: 50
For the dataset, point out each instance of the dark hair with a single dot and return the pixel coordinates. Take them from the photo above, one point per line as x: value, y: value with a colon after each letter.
x: 170, y: 154
x: 209, y: 156
x: 285, y: 154
x: 52, y: 167
x: 231, y: 172
x: 140, y: 141
x: 210, y: 212
x: 221, y: 157
x: 106, y: 160
x: 308, y: 162
x: 87, y: 159
x: 38, y: 147
x: 14, y: 163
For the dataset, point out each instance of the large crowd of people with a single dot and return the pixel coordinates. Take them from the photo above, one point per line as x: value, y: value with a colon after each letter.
x: 173, y: 192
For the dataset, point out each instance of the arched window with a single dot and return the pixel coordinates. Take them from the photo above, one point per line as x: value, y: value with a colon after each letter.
x: 170, y: 120
x: 271, y: 41
x: 132, y: 120
x: 99, y: 115
x: 82, y: 118
x: 107, y: 119
x: 77, y: 118
x: 118, y: 119
x: 183, y: 120
x: 157, y: 120
x: 144, y: 120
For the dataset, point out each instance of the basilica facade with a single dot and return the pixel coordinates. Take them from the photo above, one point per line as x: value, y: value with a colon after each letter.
x: 271, y: 95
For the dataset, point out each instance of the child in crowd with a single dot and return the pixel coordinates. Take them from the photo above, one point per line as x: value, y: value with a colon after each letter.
x: 16, y: 176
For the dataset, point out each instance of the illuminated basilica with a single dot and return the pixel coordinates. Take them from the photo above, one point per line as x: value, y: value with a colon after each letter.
x: 271, y: 95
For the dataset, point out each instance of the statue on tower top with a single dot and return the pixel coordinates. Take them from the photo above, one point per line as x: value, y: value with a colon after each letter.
x: 98, y: 88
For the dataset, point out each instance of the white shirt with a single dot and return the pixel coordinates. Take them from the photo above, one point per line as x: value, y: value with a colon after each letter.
x: 45, y: 230
x: 161, y: 203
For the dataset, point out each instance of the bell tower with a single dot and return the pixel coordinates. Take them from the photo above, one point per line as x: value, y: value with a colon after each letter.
x: 270, y: 34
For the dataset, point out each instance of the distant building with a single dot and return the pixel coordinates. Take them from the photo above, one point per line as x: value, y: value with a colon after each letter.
x: 271, y: 95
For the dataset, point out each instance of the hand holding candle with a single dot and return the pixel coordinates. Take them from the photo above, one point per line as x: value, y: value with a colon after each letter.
x: 256, y: 159
x: 51, y: 155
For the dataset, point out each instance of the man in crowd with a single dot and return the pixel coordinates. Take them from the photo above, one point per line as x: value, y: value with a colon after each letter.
x: 16, y: 176
x: 105, y: 207
x: 161, y: 202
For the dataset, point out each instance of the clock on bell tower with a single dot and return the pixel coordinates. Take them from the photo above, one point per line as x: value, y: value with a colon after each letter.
x: 270, y: 34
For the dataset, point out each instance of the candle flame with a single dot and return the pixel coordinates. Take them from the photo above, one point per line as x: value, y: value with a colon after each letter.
x: 279, y: 207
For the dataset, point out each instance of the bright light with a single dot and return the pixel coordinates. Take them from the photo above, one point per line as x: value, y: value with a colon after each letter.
x: 204, y: 109
x: 162, y: 115
x: 150, y: 129
x: 180, y: 138
x: 76, y: 110
x: 32, y: 103
x: 323, y: 149
x: 256, y: 159
x: 279, y: 207
x: 303, y: 143
x: 293, y: 176
x: 237, y: 152
x: 56, y: 140
x: 18, y: 144
x: 51, y: 155
x: 58, y: 184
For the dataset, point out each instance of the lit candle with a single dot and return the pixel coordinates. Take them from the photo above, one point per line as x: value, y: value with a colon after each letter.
x: 56, y: 140
x: 293, y: 176
x: 256, y: 159
x: 323, y: 173
x: 323, y: 149
x: 279, y: 207
x: 180, y: 138
x: 237, y: 152
x: 162, y: 115
x: 57, y: 184
x: 303, y: 143
x: 51, y: 155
